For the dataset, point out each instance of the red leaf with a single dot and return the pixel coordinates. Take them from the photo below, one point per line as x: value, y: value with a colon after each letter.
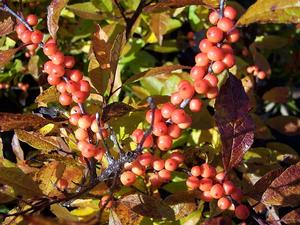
x: 285, y: 189
x: 235, y: 125
x: 54, y: 10
x: 292, y: 217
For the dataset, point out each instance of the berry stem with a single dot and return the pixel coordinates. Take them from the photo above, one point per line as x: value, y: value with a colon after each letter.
x: 222, y: 6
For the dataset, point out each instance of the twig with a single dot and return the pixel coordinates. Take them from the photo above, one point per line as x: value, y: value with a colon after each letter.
x: 114, y: 139
x: 121, y: 9
x: 222, y: 6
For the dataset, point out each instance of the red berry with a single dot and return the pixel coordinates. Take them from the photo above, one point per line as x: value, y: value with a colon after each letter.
x: 174, y: 131
x: 198, y: 72
x: 157, y: 116
x: 204, y: 45
x: 57, y: 70
x: 85, y: 122
x: 192, y: 182
x: 62, y: 184
x: 178, y: 156
x: 155, y: 180
x: 201, y: 86
x: 207, y: 170
x: 128, y: 178
x: 186, y: 90
x: 136, y: 135
x: 145, y: 159
x: 171, y: 164
x: 158, y: 164
x: 164, y: 175
x: 225, y: 24
x: 233, y: 36
x: 212, y: 80
x: 229, y: 60
x: 137, y: 168
x: 214, y: 34
x: 75, y: 75
x: 53, y: 80
x: 195, y: 105
x: 205, y: 196
x: 205, y: 184
x: 160, y: 129
x: 72, y: 86
x: 81, y: 134
x: 26, y: 37
x: 261, y: 75
x: 176, y: 98
x: 20, y: 29
x: 84, y: 86
x: 186, y: 124
x: 32, y: 19
x: 212, y: 92
x: 229, y: 187
x: 224, y: 203
x: 218, y: 67
x: 50, y: 49
x: 237, y: 195
x: 164, y: 143
x: 58, y: 58
x: 65, y: 99
x: 105, y: 201
x: 148, y: 143
x: 230, y: 12
x: 74, y: 119
x: 69, y: 61
x: 178, y: 116
x: 227, y: 49
x: 167, y: 109
x: 214, y: 17
x: 201, y: 59
x: 217, y: 191
x: 242, y: 212
x: 196, y: 171
x: 215, y: 53
x: 36, y: 37
x: 220, y: 177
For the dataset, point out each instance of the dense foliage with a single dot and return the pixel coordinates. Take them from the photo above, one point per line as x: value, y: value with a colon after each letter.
x: 149, y: 112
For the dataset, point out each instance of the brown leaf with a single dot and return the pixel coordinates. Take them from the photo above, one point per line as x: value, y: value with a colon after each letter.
x: 6, y: 56
x: 277, y: 95
x: 116, y: 109
x: 287, y: 125
x: 271, y: 11
x: 148, y: 206
x: 263, y: 183
x: 285, y: 189
x: 54, y: 10
x: 172, y: 4
x: 28, y: 122
x: 122, y: 214
x: 293, y: 217
x: 156, y: 71
x: 158, y: 24
x: 19, y: 181
x: 235, y: 125
x: 6, y: 23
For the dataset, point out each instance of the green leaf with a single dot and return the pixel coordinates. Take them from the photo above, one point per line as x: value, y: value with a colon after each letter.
x: 272, y: 11
x: 19, y: 181
x: 106, y: 5
x: 86, y: 10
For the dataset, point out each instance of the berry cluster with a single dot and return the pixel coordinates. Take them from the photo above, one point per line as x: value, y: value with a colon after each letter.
x: 158, y: 169
x: 31, y: 38
x: 4, y: 86
x: 257, y: 72
x: 215, y: 185
x: 23, y: 86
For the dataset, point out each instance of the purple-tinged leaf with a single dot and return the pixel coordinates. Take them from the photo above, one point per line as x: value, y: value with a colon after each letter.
x: 54, y: 10
x: 285, y: 189
x: 235, y: 125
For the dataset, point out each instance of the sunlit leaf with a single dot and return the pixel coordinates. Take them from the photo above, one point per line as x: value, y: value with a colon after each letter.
x: 86, y: 10
x: 49, y: 95
x: 272, y: 11
x: 234, y: 122
x: 158, y: 24
x: 293, y: 217
x: 285, y: 189
x: 54, y: 10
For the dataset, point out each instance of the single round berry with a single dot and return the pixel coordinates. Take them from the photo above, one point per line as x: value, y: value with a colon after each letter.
x: 233, y: 36
x: 167, y: 109
x: 186, y: 91
x: 148, y: 143
x: 26, y: 37
x: 164, y: 175
x: 218, y: 67
x: 242, y: 212
x: 178, y: 156
x: 36, y: 37
x: 187, y: 123
x: 32, y: 19
x: 145, y: 159
x: 57, y: 70
x: 195, y: 105
x: 227, y: 49
x: 164, y: 143
x: 229, y: 60
x: 84, y: 86
x: 75, y: 75
x: 155, y: 180
x: 217, y: 191
x: 201, y: 86
x: 138, y: 169
x: 178, y: 116
x: 212, y: 80
x: 207, y: 170
x: 192, y: 182
x: 225, y: 24
x: 127, y: 178
x: 205, y: 196
x: 50, y: 49
x: 176, y: 98
x: 212, y: 92
x: 160, y: 129
x: 80, y: 96
x: 229, y: 187
x: 69, y: 61
x: 158, y: 164
x: 72, y: 87
x: 58, y: 58
x: 204, y: 45
x: 136, y: 135
x: 85, y: 122
x: 205, y: 184
x: 81, y: 134
x: 171, y: 164
x: 214, y: 34
x: 224, y: 203
x: 198, y: 72
x: 20, y: 29
x: 53, y: 80
x: 174, y: 131
x: 237, y: 195
x: 157, y: 116
x: 261, y: 75
x: 230, y: 12
x: 106, y: 201
x: 215, y: 53
x: 214, y: 17
x: 196, y: 171
x: 201, y: 59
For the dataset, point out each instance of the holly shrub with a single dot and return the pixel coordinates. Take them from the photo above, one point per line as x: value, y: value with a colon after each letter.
x: 149, y: 112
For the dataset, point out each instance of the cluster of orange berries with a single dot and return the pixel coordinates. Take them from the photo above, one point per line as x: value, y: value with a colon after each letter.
x: 215, y: 185
x: 31, y: 38
x: 256, y: 72
x: 23, y: 86
x: 72, y: 87
x: 160, y: 169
